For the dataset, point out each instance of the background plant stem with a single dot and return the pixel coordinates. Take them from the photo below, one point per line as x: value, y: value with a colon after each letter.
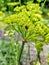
x: 20, y: 2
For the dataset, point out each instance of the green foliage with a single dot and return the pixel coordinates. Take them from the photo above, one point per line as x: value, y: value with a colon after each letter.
x: 7, y: 3
x: 9, y: 53
x: 26, y: 1
x: 2, y: 15
x: 11, y: 5
x: 48, y: 0
x: 42, y: 4
x: 37, y: 63
x: 3, y: 4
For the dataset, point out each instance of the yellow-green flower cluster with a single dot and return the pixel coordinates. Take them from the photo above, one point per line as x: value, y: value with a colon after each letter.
x: 29, y: 7
x: 31, y: 22
x: 19, y: 9
x: 1, y: 15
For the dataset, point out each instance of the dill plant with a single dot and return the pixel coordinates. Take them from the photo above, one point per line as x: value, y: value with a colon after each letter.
x: 28, y: 22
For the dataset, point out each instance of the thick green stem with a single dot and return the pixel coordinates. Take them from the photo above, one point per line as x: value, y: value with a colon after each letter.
x: 21, y: 50
x: 39, y: 56
x: 43, y: 4
x: 20, y: 2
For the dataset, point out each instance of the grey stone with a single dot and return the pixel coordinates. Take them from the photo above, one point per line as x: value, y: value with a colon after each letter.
x: 30, y: 56
x: 44, y: 55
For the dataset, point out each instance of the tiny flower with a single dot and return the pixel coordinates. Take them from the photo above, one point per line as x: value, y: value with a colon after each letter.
x: 6, y: 34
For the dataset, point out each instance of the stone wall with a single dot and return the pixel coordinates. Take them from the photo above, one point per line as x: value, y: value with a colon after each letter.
x: 30, y: 52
